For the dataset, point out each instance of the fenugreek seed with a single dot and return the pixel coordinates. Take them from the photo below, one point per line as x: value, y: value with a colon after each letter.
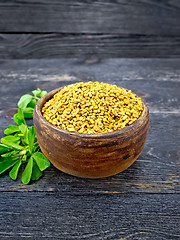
x: 92, y: 108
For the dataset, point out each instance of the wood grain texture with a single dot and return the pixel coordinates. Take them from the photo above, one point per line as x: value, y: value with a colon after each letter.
x: 138, y: 17
x: 91, y: 217
x: 59, y: 45
x: 90, y: 156
x: 157, y: 170
x: 157, y: 81
x: 142, y: 202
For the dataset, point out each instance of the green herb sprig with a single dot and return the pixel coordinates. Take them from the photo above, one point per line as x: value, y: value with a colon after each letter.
x: 19, y: 146
x: 27, y: 102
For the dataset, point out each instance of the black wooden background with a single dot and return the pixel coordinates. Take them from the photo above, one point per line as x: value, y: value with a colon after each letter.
x: 77, y: 28
x: 51, y: 43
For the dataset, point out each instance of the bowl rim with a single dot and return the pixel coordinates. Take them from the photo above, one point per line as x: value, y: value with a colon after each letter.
x: 50, y: 94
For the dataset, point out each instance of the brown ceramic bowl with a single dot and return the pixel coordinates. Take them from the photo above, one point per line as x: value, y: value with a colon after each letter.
x: 90, y: 155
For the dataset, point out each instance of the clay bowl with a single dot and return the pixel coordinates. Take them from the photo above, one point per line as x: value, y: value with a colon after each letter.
x: 90, y: 155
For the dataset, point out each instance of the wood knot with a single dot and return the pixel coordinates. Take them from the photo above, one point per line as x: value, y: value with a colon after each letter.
x: 92, y: 60
x: 126, y: 157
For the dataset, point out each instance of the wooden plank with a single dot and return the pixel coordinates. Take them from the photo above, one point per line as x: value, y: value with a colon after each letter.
x: 93, y: 216
x: 68, y: 70
x: 164, y: 98
x: 157, y: 169
x: 157, y: 81
x: 129, y: 17
x: 54, y: 45
x: 136, y: 75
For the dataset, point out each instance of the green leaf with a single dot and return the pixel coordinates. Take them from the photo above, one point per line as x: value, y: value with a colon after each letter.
x: 4, y: 149
x: 12, y: 145
x: 14, y: 171
x: 32, y: 103
x: 7, y: 163
x: 36, y: 172
x: 41, y: 161
x: 36, y: 147
x: 10, y: 138
x: 10, y: 154
x: 43, y: 93
x: 19, y: 117
x: 36, y: 92
x: 24, y: 129
x: 24, y: 100
x: 31, y: 138
x: 26, y: 176
x: 24, y: 158
x: 28, y: 112
x: 11, y: 129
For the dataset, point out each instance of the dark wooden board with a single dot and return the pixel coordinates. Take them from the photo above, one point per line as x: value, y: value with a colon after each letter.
x: 88, y: 69
x: 156, y: 98
x: 157, y: 169
x: 157, y: 81
x: 140, y: 203
x: 93, y: 216
x: 129, y: 17
x: 59, y: 45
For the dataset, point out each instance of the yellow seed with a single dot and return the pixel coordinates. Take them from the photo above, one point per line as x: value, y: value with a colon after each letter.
x: 92, y: 107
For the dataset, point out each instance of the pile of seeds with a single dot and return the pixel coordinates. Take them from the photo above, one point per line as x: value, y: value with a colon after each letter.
x: 92, y: 107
